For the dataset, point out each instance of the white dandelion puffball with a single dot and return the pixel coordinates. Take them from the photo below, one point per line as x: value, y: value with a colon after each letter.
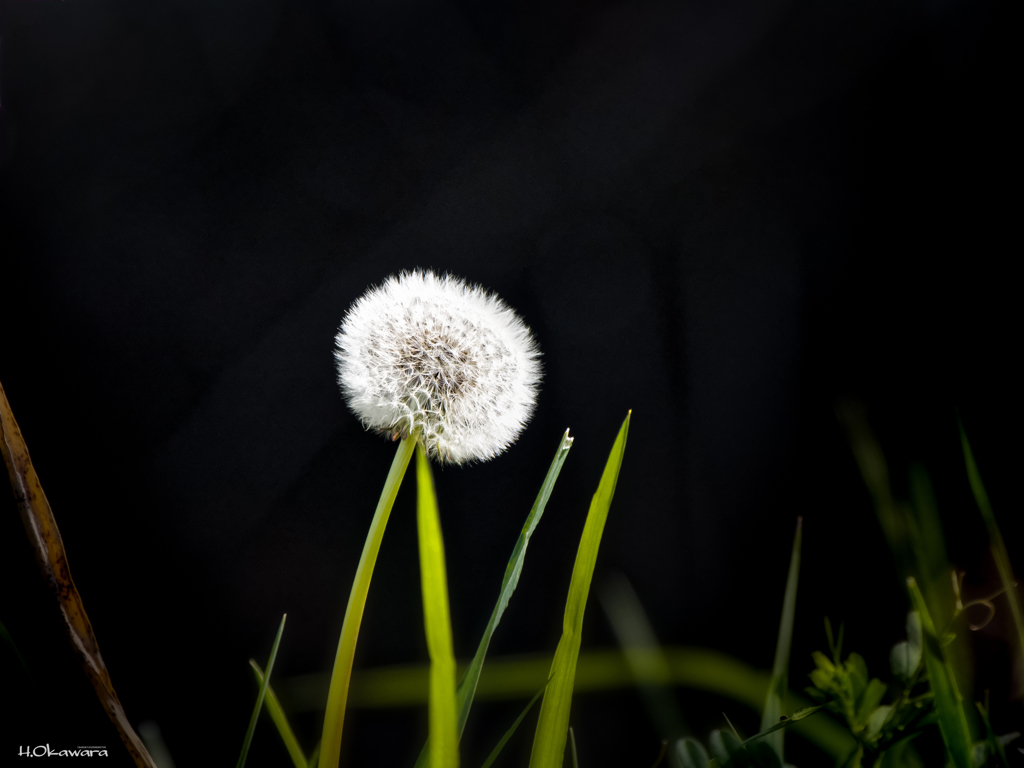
x: 434, y: 356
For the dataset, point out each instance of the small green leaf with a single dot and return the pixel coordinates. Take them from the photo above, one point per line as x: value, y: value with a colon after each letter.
x: 690, y: 753
x: 553, y: 722
x: 905, y: 657
x: 872, y: 697
x: 877, y: 720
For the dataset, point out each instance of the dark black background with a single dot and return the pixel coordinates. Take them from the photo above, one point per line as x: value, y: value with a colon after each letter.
x: 722, y: 215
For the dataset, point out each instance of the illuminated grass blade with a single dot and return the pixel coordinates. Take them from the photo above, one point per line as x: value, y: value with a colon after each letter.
x: 443, y: 738
x: 553, y: 723
x: 995, y: 538
x: 949, y: 705
x: 644, y: 655
x: 779, y: 685
x: 276, y: 713
x: 509, y: 733
x: 337, y: 695
x: 467, y: 686
x: 262, y: 694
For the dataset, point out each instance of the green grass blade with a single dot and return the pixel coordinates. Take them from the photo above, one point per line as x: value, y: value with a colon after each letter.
x: 262, y: 694
x: 337, y: 695
x: 511, y: 731
x: 644, y: 655
x: 443, y: 732
x: 572, y: 744
x: 553, y: 723
x: 949, y: 705
x: 1002, y: 557
x: 276, y: 713
x: 467, y: 686
x: 774, y: 704
x: 314, y: 758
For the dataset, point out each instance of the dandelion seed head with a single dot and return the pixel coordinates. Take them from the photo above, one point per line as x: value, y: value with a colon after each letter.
x: 434, y: 355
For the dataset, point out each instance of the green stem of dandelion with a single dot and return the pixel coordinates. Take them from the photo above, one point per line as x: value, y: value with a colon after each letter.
x: 337, y: 696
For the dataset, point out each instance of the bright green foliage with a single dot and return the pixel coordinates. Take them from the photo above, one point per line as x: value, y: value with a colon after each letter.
x: 467, y: 686
x: 775, y: 701
x: 442, y: 718
x: 276, y: 712
x: 553, y: 722
x: 247, y: 741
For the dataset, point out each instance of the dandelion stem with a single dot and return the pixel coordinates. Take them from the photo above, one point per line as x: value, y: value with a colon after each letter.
x: 337, y: 696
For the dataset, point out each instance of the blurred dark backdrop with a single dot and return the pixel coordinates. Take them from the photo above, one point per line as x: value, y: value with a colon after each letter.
x: 723, y: 215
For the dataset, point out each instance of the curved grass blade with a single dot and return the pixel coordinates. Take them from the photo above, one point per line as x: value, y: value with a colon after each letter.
x: 443, y: 739
x: 276, y: 712
x: 949, y: 705
x: 553, y: 722
x: 644, y: 655
x: 247, y: 741
x: 511, y: 731
x: 41, y: 527
x: 337, y: 695
x: 999, y: 553
x: 572, y: 744
x: 467, y: 686
x: 774, y: 703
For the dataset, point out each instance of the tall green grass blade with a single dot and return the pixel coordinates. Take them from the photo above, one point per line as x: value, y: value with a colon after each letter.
x: 443, y: 731
x: 774, y: 704
x: 314, y: 757
x: 553, y: 722
x: 276, y: 712
x: 1002, y: 557
x: 511, y: 731
x: 572, y: 744
x: 467, y: 686
x: 949, y: 705
x: 337, y: 695
x: 644, y: 655
x: 262, y: 694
